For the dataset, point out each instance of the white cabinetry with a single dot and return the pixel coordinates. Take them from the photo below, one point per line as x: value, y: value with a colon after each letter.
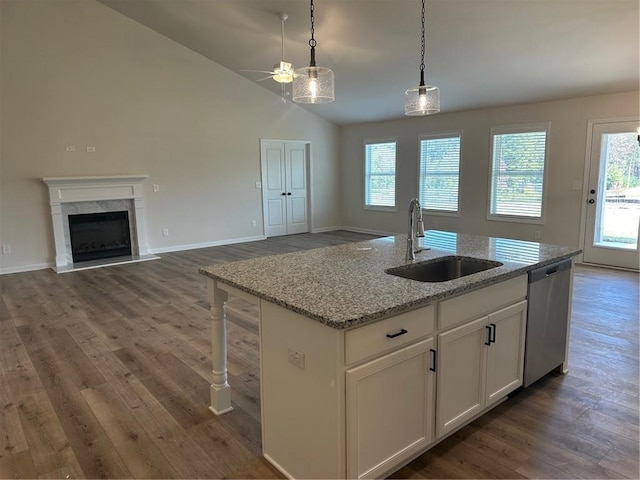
x: 389, y: 410
x: 480, y: 362
x: 367, y: 400
x: 389, y: 399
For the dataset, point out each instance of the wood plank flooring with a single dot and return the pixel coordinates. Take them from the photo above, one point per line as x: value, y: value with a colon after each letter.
x: 105, y: 374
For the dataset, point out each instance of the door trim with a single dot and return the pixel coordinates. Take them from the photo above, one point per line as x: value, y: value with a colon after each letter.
x: 585, y: 180
x: 310, y: 193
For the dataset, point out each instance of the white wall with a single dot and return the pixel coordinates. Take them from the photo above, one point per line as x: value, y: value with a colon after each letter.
x: 74, y: 72
x: 567, y: 146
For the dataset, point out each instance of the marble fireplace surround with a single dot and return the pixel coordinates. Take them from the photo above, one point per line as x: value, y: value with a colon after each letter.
x: 72, y: 195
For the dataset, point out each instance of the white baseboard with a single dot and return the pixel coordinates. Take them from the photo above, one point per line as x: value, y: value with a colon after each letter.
x: 325, y: 229
x: 369, y: 231
x: 26, y: 268
x: 216, y: 243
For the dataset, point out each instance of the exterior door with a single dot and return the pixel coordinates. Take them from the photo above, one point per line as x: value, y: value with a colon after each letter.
x: 284, y: 187
x: 613, y: 200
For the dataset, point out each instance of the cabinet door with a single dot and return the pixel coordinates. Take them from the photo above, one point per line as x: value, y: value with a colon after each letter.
x: 461, y: 374
x: 505, y: 355
x: 389, y: 410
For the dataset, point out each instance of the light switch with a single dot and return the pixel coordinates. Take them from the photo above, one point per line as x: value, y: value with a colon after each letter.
x: 577, y: 185
x: 156, y: 187
x: 91, y: 149
x: 258, y: 184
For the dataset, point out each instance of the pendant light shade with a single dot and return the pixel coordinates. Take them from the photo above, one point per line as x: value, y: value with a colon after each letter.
x: 423, y: 99
x: 313, y: 84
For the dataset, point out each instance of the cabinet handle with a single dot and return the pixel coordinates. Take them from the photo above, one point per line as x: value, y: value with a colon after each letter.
x: 488, y: 342
x: 288, y: 193
x: 283, y: 193
x: 434, y: 357
x: 394, y: 335
x: 493, y: 334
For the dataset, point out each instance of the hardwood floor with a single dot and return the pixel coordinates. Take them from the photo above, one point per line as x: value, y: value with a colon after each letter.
x: 105, y: 374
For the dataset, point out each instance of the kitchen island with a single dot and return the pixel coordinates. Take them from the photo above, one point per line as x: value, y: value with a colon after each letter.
x: 362, y: 370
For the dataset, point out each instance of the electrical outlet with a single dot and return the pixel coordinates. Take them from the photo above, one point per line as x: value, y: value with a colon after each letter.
x: 156, y: 187
x: 70, y: 148
x: 6, y: 249
x: 296, y: 357
x: 165, y: 232
x: 91, y: 149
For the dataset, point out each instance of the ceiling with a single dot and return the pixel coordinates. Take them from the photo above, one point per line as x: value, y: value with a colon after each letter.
x: 481, y: 53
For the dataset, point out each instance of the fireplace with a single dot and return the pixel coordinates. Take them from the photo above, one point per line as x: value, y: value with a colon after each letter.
x: 82, y: 200
x: 95, y: 236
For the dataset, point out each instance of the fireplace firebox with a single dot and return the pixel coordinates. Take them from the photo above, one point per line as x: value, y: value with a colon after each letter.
x: 95, y: 236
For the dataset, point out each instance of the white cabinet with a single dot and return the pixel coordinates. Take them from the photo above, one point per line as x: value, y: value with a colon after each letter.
x: 389, y: 410
x: 505, y: 355
x: 479, y: 363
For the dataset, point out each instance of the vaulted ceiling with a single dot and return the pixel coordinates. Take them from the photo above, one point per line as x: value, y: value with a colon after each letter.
x: 481, y: 53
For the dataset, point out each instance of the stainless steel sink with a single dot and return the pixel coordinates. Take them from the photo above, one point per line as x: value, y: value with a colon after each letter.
x: 443, y: 269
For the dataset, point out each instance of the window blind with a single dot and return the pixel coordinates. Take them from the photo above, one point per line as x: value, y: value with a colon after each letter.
x: 440, y: 173
x: 380, y: 174
x: 517, y: 176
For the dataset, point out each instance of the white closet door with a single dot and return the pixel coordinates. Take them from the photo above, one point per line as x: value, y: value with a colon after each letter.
x: 284, y: 187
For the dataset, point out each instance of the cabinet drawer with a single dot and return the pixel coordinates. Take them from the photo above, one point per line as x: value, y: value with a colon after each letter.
x: 480, y: 302
x: 382, y: 336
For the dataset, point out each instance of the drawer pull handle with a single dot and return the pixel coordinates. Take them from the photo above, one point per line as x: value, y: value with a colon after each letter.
x: 433, y: 359
x: 401, y: 332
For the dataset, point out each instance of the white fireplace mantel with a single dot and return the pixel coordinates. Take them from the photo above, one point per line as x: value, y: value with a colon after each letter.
x: 64, y: 191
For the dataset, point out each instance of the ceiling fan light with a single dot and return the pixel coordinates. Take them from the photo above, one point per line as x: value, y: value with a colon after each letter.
x: 313, y: 85
x: 422, y: 100
x: 283, y: 73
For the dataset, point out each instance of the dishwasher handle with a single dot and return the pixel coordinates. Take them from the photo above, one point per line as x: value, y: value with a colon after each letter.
x: 549, y: 270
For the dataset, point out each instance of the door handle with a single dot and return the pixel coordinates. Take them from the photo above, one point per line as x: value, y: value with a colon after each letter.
x: 288, y: 193
x: 591, y: 200
x: 283, y: 193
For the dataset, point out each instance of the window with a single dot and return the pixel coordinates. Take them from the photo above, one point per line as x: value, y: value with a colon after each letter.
x: 518, y: 157
x: 439, y: 172
x: 380, y: 174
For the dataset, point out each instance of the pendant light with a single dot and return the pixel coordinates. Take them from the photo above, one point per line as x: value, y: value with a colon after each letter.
x: 313, y: 84
x: 424, y: 99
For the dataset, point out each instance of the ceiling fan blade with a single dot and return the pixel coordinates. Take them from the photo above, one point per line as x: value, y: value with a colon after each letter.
x: 265, y: 78
x: 259, y: 71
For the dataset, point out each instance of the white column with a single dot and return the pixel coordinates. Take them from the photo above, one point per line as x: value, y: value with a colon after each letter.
x: 220, y: 389
x: 141, y: 228
x: 58, y: 235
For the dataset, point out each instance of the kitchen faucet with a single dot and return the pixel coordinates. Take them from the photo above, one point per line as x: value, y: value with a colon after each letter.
x: 415, y: 216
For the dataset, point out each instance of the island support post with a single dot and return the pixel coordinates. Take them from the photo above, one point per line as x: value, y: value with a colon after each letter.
x: 220, y: 388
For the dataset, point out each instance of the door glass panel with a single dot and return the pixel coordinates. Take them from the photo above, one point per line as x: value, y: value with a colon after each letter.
x: 619, y: 208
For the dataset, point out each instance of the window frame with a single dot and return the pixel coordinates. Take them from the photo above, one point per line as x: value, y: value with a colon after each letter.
x: 437, y: 135
x: 380, y: 208
x: 514, y: 129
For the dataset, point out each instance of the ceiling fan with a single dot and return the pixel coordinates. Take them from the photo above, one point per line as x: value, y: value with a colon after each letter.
x: 283, y: 72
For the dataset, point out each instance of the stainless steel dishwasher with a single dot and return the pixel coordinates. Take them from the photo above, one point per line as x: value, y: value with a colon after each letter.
x: 547, y: 319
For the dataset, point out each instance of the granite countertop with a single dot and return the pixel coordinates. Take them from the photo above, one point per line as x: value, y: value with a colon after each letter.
x: 346, y: 285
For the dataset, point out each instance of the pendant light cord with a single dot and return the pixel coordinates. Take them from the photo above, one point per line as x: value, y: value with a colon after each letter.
x: 312, y: 40
x: 422, y: 49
